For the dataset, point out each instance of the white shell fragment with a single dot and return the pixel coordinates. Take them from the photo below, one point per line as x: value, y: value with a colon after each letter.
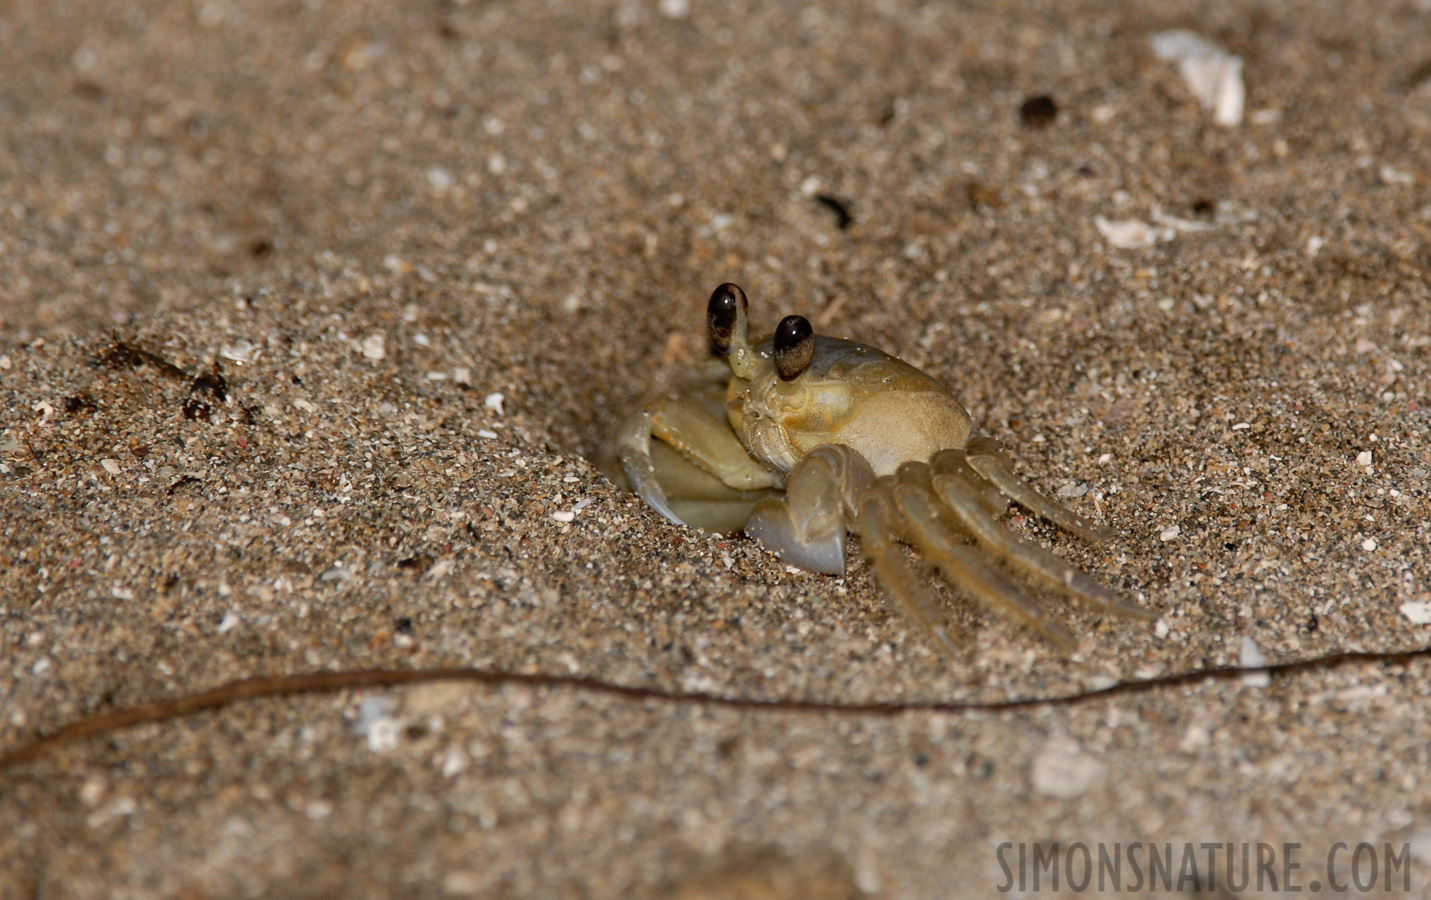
x: 1135, y: 234
x: 1250, y: 657
x: 1418, y: 612
x: 377, y: 723
x: 439, y: 179
x: 454, y: 762
x: 230, y: 621
x: 1127, y: 234
x: 440, y: 569
x: 1212, y: 74
x: 494, y: 402
x: 1389, y: 174
x: 383, y: 734
x: 1170, y: 534
x: 374, y: 346
x: 241, y: 352
x: 1179, y: 224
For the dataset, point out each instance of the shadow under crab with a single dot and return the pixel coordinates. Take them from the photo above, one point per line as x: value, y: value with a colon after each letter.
x: 799, y: 438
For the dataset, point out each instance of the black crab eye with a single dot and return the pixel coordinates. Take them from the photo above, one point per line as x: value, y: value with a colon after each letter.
x: 794, y: 347
x: 726, y: 308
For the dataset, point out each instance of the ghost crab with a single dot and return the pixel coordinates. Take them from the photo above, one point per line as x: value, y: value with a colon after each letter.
x: 799, y: 437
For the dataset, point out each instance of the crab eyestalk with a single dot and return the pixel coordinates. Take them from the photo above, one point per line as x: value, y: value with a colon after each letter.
x: 726, y: 320
x: 794, y: 347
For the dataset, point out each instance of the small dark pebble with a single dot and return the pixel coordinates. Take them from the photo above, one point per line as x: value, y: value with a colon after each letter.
x: 843, y: 219
x: 80, y: 403
x: 1038, y: 112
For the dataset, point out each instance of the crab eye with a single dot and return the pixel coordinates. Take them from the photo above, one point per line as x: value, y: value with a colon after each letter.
x: 794, y: 347
x: 726, y: 308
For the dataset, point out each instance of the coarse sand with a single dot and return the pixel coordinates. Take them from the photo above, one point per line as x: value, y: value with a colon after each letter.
x: 316, y: 319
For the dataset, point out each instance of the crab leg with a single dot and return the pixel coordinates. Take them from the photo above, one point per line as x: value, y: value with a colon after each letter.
x: 960, y: 496
x: 987, y: 457
x: 956, y: 462
x: 807, y: 526
x: 963, y: 567
x: 879, y: 529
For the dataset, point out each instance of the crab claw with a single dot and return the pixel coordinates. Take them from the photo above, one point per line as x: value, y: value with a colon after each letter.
x: 634, y: 453
x: 807, y: 526
x: 819, y: 549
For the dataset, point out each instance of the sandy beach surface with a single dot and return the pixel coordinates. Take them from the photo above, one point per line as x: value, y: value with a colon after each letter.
x: 316, y: 320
